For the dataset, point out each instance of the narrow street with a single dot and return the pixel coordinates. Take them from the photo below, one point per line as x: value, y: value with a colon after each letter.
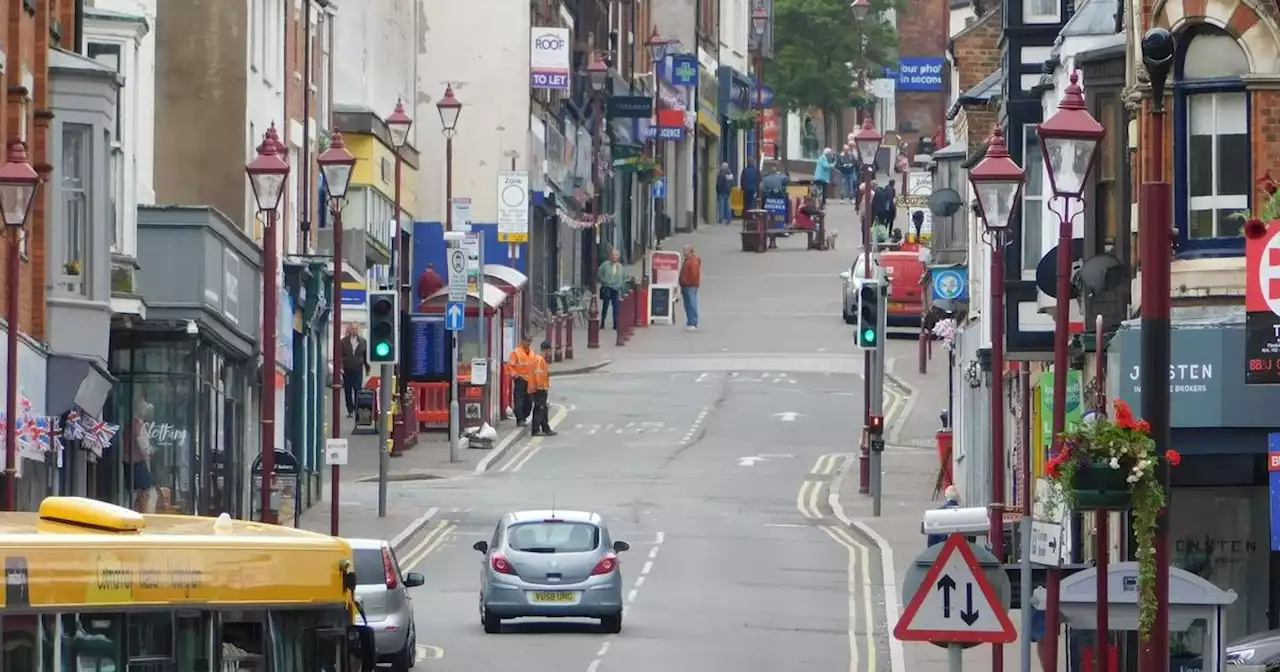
x: 714, y: 454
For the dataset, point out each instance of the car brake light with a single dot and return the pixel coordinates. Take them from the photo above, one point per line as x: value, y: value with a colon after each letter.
x: 501, y: 566
x: 553, y: 520
x: 607, y: 564
x: 389, y: 569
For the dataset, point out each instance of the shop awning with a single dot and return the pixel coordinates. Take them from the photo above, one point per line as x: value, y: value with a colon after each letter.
x: 74, y: 380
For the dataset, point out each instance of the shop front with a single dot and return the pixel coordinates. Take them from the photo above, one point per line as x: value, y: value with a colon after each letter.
x: 186, y: 375
x: 706, y: 157
x: 1219, y: 507
x: 308, y: 286
x: 733, y: 102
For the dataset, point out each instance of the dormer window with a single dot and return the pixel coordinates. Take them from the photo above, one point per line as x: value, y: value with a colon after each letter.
x: 1213, y: 177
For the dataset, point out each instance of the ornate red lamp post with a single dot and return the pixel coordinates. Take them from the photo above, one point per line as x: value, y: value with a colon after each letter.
x: 268, y: 173
x: 1069, y: 142
x: 597, y: 77
x: 867, y: 143
x: 450, y: 108
x: 336, y: 166
x: 19, y: 183
x: 398, y: 125
x: 997, y: 181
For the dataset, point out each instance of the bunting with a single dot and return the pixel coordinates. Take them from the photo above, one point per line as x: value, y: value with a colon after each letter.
x: 583, y: 221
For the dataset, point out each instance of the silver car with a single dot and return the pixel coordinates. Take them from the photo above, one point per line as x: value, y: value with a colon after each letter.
x: 551, y: 564
x: 383, y: 596
x: 851, y: 282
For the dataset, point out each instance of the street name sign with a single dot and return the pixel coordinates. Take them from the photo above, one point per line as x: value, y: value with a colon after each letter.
x: 455, y: 316
x: 457, y: 274
x: 955, y: 603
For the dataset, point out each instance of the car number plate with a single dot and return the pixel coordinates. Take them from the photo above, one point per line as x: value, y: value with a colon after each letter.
x: 549, y: 597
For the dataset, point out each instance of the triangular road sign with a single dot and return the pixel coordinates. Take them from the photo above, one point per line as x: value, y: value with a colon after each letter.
x: 955, y: 603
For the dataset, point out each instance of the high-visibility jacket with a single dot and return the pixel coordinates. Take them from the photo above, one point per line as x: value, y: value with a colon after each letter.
x: 519, y: 362
x: 539, y: 374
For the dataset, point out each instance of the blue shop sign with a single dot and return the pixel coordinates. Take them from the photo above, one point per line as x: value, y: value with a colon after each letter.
x: 735, y: 90
x: 684, y: 70
x: 674, y: 133
x: 950, y: 284
x: 919, y: 74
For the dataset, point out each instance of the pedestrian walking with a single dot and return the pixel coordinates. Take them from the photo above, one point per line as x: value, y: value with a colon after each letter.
x: 749, y: 181
x: 952, y: 501
x: 540, y: 387
x: 355, y: 365
x: 724, y: 188
x: 884, y: 209
x: 520, y: 363
x: 690, y: 280
x: 847, y: 165
x: 613, y: 277
x: 822, y: 176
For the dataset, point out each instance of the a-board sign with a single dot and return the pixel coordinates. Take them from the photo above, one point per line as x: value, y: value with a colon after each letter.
x: 660, y: 299
x: 665, y: 267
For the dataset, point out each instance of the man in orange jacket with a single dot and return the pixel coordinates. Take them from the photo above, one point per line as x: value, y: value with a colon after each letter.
x: 540, y: 388
x: 520, y: 363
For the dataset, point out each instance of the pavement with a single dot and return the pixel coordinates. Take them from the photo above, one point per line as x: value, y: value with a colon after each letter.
x: 723, y: 456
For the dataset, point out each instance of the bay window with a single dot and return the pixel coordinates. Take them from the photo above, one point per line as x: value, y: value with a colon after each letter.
x: 77, y: 159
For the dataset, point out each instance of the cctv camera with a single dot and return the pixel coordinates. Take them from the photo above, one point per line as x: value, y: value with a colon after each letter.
x: 970, y: 521
x: 1157, y: 46
x: 192, y: 328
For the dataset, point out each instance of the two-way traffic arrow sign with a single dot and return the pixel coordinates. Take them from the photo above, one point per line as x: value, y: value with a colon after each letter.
x: 955, y: 603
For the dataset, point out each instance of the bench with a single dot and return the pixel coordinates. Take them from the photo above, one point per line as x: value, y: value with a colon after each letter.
x: 758, y: 236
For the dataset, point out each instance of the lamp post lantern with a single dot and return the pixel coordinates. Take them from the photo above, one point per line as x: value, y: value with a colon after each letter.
x: 1069, y: 144
x: 336, y: 166
x: 398, y: 125
x: 759, y: 21
x: 657, y: 45
x: 860, y: 9
x: 867, y: 144
x: 997, y: 181
x: 450, y: 109
x: 19, y: 183
x: 268, y: 173
x: 597, y: 77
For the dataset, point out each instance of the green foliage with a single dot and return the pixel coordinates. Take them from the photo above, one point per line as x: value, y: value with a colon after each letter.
x: 816, y: 42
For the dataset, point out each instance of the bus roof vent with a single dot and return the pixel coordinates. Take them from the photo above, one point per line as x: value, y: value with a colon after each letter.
x: 90, y: 514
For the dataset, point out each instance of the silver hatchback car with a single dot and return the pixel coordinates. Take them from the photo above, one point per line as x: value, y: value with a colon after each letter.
x: 383, y: 595
x: 551, y: 564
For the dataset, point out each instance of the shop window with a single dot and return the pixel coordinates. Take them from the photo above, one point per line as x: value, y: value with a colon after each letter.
x: 1032, y: 199
x: 157, y: 464
x: 1212, y: 116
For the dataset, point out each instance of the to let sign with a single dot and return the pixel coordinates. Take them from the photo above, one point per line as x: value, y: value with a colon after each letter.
x: 1262, y: 306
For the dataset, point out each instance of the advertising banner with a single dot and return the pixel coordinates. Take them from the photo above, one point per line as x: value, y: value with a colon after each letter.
x: 919, y: 74
x: 549, y: 58
x: 1262, y: 306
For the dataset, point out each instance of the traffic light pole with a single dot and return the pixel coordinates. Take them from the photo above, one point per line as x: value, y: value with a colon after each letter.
x: 385, y: 375
x: 384, y: 334
x: 876, y: 442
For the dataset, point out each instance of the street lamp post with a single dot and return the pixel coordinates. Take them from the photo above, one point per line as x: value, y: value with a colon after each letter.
x: 268, y: 173
x: 398, y: 125
x: 597, y: 77
x: 759, y: 26
x: 997, y: 181
x: 867, y: 143
x: 336, y: 166
x: 1069, y: 143
x: 861, y: 8
x: 19, y: 183
x: 450, y: 109
x: 658, y: 48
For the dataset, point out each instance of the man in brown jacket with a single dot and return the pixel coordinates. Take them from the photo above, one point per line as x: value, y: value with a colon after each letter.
x: 355, y: 365
x: 690, y: 279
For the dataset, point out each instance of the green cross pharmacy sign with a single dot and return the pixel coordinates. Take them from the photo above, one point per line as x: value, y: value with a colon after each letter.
x: 684, y: 70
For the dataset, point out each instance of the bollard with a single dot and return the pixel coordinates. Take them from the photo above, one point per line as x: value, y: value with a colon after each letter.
x: 557, y: 346
x: 568, y: 337
x: 642, y: 294
x: 630, y: 312
x: 622, y: 321
x: 551, y: 331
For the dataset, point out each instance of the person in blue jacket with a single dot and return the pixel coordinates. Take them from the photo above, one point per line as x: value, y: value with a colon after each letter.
x: 749, y: 181
x: 822, y: 176
x: 952, y: 501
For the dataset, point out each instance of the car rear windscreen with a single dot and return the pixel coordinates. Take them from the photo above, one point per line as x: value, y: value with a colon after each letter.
x: 553, y: 537
x: 369, y: 569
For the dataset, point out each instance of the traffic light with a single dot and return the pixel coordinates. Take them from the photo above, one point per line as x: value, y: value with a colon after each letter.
x: 868, y: 335
x: 384, y: 327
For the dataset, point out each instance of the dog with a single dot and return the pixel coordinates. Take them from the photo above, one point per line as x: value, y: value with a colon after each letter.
x: 831, y: 239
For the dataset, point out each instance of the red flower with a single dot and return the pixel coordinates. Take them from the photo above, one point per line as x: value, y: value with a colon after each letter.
x: 1124, y: 414
x: 1143, y: 426
x: 1051, y: 468
x: 1254, y: 229
x: 1173, y: 456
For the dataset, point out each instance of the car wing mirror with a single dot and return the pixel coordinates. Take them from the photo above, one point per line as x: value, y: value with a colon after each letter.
x: 482, y: 546
x: 414, y: 579
x: 845, y: 275
x: 621, y: 546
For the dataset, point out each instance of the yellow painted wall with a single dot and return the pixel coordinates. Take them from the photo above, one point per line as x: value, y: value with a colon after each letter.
x: 369, y: 153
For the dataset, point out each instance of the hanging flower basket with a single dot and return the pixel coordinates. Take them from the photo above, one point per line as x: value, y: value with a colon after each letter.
x: 742, y: 121
x: 1110, y: 464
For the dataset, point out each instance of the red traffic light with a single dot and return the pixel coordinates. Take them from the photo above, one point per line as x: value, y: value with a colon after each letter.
x: 876, y: 424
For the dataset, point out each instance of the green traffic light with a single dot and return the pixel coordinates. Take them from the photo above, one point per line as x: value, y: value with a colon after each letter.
x: 868, y: 336
x: 382, y: 349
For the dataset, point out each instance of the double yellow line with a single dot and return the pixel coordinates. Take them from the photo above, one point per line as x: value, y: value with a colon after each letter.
x: 859, y: 567
x: 533, y: 445
x: 810, y: 495
x: 431, y: 542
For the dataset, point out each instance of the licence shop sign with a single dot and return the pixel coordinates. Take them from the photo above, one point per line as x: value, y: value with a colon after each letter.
x: 549, y: 59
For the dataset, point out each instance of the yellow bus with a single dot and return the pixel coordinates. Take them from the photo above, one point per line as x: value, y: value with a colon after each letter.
x: 94, y: 587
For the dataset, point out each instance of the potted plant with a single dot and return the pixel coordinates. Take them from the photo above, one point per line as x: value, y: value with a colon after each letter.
x: 71, y: 267
x: 744, y: 120
x: 1110, y: 463
x: 646, y: 167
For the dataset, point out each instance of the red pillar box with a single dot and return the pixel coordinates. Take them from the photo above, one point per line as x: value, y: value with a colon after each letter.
x: 945, y: 475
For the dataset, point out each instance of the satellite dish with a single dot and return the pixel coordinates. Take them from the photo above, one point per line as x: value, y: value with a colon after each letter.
x: 1103, y: 273
x: 945, y: 202
x: 1047, y: 269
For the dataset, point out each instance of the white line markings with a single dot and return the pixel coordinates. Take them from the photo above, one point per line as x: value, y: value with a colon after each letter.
x: 693, y: 429
x: 631, y: 597
x: 430, y: 543
x: 528, y: 450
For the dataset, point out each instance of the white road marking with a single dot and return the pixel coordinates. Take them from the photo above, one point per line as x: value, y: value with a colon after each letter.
x: 653, y: 552
x: 788, y: 416
x: 631, y: 596
x: 526, y: 452
x: 693, y: 429
x: 648, y: 565
x: 430, y: 543
x: 700, y: 377
x: 604, y: 648
x: 639, y: 582
x: 595, y: 665
x: 662, y: 536
x: 784, y: 525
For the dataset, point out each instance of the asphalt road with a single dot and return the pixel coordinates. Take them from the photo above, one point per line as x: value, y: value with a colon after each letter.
x: 713, y: 454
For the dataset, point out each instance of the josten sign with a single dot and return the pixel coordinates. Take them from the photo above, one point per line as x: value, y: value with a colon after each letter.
x: 1206, y: 381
